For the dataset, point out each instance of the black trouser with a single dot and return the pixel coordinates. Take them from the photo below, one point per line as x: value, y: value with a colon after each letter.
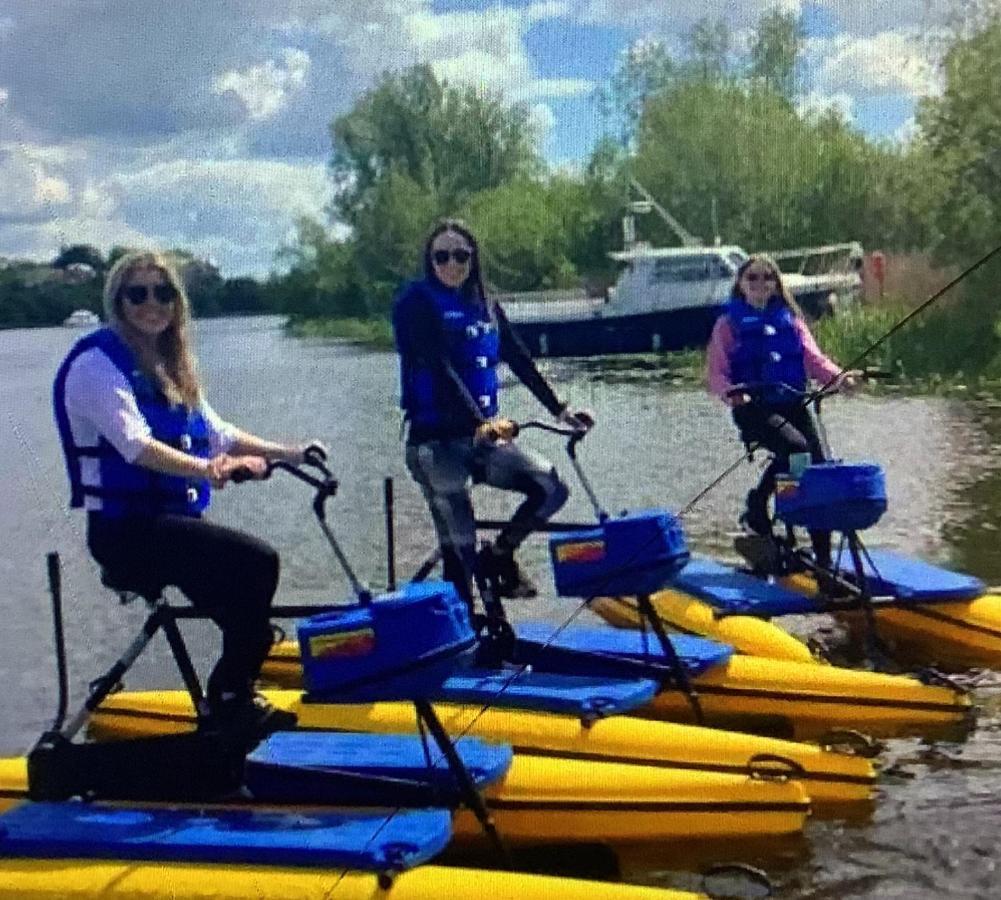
x: 444, y: 470
x: 225, y: 573
x: 783, y: 429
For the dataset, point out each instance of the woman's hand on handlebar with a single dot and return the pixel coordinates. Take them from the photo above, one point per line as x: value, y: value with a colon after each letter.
x: 736, y: 397
x: 223, y: 468
x: 578, y: 419
x: 496, y: 431
x: 850, y: 382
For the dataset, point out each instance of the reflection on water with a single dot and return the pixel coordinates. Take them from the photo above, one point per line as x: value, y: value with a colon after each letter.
x: 657, y: 443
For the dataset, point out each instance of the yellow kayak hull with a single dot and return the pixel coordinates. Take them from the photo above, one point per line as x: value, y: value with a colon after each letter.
x: 830, y: 778
x: 546, y: 800
x: 64, y: 879
x: 746, y: 634
x: 956, y: 635
x: 801, y: 700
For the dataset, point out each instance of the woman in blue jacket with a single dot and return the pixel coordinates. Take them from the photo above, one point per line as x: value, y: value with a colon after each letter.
x: 451, y: 337
x: 143, y: 449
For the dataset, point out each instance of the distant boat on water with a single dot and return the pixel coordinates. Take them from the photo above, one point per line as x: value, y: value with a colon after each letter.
x: 81, y: 318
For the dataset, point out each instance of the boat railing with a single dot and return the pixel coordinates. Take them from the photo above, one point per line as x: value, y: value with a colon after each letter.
x: 846, y: 258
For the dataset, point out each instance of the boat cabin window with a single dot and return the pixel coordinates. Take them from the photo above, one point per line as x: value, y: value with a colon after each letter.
x: 688, y: 268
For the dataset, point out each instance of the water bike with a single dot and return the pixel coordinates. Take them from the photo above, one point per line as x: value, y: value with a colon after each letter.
x: 696, y: 679
x: 404, y: 647
x: 907, y: 608
x: 227, y: 814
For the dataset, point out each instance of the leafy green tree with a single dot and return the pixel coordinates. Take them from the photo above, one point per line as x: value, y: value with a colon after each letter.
x: 709, y: 44
x: 645, y: 69
x: 776, y: 49
x: 961, y: 129
x: 450, y: 141
x: 80, y: 254
x: 524, y: 230
x: 390, y: 235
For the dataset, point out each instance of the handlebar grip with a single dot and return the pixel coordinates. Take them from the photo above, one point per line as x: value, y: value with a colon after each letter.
x: 314, y: 453
x: 238, y: 476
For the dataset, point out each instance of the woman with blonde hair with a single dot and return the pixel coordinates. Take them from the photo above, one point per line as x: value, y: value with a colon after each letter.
x: 143, y: 450
x: 762, y: 339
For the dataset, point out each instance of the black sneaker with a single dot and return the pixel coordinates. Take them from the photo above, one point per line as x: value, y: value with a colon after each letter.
x: 755, y: 519
x: 247, y: 715
x: 505, y: 575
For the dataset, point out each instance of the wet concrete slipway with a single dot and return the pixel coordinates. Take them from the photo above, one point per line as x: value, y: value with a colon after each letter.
x: 933, y: 834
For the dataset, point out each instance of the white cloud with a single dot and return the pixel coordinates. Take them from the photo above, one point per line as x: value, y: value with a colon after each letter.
x: 906, y: 132
x: 264, y: 89
x: 485, y: 48
x: 28, y: 192
x: 237, y: 211
x: 816, y: 104
x: 890, y: 62
x: 865, y: 17
x: 678, y: 15
x: 541, y: 120
x: 240, y: 210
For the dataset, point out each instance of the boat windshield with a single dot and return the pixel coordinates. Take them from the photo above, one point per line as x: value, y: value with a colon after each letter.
x: 689, y: 268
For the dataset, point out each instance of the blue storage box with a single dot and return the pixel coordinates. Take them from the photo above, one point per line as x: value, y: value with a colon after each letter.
x: 402, y: 646
x: 832, y: 496
x: 637, y: 553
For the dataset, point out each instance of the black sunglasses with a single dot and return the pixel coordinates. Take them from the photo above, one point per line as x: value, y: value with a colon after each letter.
x: 460, y: 256
x: 137, y: 294
x: 754, y: 276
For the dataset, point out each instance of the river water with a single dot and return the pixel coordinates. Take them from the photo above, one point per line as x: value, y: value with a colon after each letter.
x: 658, y: 442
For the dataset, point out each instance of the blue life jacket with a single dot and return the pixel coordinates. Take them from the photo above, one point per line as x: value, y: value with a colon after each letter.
x: 473, y: 350
x: 768, y: 348
x: 127, y: 489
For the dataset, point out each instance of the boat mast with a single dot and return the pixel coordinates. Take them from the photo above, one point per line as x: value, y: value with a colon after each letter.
x: 686, y: 237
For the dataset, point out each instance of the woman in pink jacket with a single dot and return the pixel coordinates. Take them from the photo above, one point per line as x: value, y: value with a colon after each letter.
x: 761, y: 339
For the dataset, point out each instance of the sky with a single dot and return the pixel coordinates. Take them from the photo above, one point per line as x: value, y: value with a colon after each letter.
x: 205, y: 125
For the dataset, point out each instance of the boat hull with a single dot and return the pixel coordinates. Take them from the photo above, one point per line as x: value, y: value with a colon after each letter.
x: 832, y: 780
x: 665, y: 330
x: 63, y: 879
x: 798, y: 699
x: 545, y: 800
x: 957, y: 635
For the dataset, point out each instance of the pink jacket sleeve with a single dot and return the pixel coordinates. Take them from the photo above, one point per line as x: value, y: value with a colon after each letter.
x: 721, y: 344
x: 819, y: 367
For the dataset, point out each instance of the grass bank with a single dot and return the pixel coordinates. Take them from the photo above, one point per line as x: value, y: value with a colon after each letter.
x: 374, y: 333
x: 952, y: 347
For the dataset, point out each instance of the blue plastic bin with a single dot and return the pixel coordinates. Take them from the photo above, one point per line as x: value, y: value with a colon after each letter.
x: 832, y: 496
x: 401, y: 647
x: 637, y: 553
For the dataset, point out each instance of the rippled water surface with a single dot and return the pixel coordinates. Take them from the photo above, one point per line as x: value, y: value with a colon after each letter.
x: 658, y: 443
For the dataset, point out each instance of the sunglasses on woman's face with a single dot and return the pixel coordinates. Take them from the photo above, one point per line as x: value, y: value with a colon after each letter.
x: 760, y: 276
x: 137, y: 294
x: 461, y: 256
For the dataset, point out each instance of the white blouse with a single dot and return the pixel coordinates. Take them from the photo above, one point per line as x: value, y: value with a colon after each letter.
x: 100, y: 403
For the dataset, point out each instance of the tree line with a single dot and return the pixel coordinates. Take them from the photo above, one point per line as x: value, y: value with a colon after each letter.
x: 46, y: 293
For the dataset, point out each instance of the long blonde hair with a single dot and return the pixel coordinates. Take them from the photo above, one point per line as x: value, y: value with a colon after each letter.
x: 781, y: 291
x: 171, y: 363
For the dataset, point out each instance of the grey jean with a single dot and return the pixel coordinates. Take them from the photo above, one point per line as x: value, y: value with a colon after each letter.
x: 444, y: 471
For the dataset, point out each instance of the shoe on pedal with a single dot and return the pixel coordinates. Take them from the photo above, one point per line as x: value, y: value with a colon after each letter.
x: 755, y: 518
x: 251, y: 715
x: 505, y: 575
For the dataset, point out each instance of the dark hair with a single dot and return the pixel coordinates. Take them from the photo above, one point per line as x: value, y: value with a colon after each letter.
x: 472, y: 287
x: 781, y: 291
